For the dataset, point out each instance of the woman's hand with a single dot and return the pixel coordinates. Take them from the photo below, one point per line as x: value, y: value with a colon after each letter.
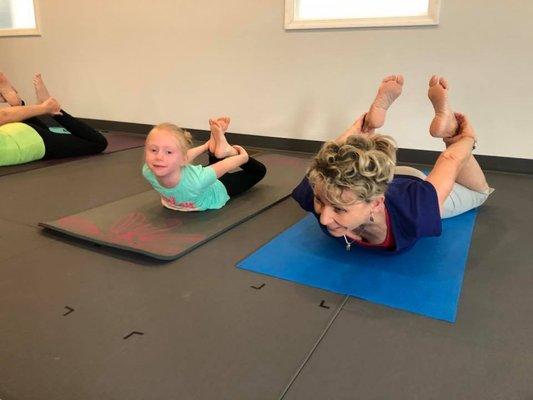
x: 52, y: 106
x: 356, y: 128
x: 464, y: 129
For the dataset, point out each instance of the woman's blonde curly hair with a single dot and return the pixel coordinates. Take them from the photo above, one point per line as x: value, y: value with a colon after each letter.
x: 363, y: 164
x: 183, y: 137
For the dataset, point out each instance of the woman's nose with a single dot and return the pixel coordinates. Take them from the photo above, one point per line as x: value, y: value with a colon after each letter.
x: 325, y: 216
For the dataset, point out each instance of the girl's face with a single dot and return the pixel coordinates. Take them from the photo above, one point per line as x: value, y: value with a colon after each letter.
x: 340, y: 219
x: 163, y: 154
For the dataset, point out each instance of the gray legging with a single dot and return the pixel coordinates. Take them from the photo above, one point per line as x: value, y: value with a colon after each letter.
x: 460, y: 200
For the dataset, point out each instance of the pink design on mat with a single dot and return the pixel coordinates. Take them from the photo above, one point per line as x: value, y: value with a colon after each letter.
x: 136, y: 231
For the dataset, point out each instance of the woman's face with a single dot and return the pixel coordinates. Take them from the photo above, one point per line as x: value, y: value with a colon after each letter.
x: 340, y: 219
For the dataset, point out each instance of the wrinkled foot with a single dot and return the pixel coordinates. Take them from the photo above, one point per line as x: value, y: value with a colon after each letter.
x: 443, y: 124
x: 8, y: 92
x: 389, y: 90
x: 41, y: 92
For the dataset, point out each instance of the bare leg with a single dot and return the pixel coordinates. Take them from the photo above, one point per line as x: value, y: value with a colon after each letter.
x: 8, y: 92
x: 389, y: 90
x: 222, y: 148
x: 41, y: 92
x: 472, y: 177
x: 443, y: 124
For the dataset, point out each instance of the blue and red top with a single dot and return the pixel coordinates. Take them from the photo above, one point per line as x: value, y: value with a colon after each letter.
x: 412, y: 212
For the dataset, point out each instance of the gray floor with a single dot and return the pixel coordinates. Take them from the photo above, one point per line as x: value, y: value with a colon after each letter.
x: 205, y: 333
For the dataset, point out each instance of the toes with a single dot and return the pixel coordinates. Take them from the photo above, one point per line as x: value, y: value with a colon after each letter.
x: 434, y: 80
x: 389, y: 78
x: 399, y: 79
x: 444, y: 83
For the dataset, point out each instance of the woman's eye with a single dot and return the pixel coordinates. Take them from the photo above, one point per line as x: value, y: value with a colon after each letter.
x: 339, y: 210
x: 169, y: 152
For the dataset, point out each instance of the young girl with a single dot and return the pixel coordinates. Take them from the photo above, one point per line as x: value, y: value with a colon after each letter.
x: 186, y: 187
x: 24, y: 137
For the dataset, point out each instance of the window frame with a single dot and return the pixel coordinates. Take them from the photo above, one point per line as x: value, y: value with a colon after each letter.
x: 292, y: 23
x: 25, y: 31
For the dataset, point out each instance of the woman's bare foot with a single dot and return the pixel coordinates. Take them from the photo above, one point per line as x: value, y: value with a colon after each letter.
x: 443, y: 124
x: 389, y: 90
x: 8, y: 92
x: 41, y: 92
x: 222, y: 148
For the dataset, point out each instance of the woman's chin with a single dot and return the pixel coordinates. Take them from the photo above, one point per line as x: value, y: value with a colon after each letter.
x: 337, y: 232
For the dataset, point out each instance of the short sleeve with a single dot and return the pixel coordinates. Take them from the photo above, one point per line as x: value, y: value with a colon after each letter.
x: 303, y: 194
x: 204, y: 177
x: 415, y: 208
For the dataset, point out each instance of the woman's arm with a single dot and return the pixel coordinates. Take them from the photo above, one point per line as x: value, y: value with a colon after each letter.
x: 230, y: 163
x: 196, y: 151
x: 356, y: 128
x: 20, y: 113
x: 452, y: 160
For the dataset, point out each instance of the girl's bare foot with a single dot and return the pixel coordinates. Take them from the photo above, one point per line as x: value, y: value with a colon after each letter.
x: 218, y: 130
x: 8, y: 92
x: 443, y: 124
x: 41, y: 92
x: 389, y: 90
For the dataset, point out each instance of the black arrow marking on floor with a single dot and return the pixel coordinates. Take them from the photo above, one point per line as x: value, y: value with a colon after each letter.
x: 323, y: 305
x: 258, y: 287
x: 69, y: 311
x: 133, y: 333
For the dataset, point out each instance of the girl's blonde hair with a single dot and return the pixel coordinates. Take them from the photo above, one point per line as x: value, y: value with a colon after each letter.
x: 363, y: 164
x: 183, y: 137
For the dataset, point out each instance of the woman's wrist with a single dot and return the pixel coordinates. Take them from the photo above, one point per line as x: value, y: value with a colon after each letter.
x: 474, y: 140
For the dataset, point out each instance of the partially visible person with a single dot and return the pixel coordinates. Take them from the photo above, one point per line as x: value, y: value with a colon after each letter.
x: 24, y: 137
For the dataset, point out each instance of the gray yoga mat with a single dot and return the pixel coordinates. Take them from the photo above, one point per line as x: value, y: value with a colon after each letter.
x: 141, y: 224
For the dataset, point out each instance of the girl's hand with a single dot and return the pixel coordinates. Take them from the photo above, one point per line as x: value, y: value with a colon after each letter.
x: 52, y: 106
x: 242, y: 153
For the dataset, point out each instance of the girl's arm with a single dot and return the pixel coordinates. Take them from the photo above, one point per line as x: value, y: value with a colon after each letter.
x: 20, y: 113
x: 230, y: 163
x: 452, y: 160
x: 196, y: 151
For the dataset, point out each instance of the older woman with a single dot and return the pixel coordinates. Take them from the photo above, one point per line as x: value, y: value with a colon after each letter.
x: 24, y: 138
x: 361, y: 197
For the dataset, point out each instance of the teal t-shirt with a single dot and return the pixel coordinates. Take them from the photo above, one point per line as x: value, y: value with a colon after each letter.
x: 198, y: 189
x: 19, y: 144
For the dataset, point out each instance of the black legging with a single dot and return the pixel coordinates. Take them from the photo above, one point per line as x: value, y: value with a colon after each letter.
x: 240, y: 181
x: 83, y: 140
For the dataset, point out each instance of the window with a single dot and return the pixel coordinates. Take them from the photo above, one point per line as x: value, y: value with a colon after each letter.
x: 18, y: 18
x: 312, y: 14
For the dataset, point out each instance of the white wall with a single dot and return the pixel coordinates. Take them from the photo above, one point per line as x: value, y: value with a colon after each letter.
x: 185, y: 60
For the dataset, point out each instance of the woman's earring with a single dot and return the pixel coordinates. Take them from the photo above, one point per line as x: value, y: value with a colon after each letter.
x: 371, y: 216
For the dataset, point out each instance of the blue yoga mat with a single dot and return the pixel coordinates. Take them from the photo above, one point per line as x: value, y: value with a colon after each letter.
x: 425, y: 279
